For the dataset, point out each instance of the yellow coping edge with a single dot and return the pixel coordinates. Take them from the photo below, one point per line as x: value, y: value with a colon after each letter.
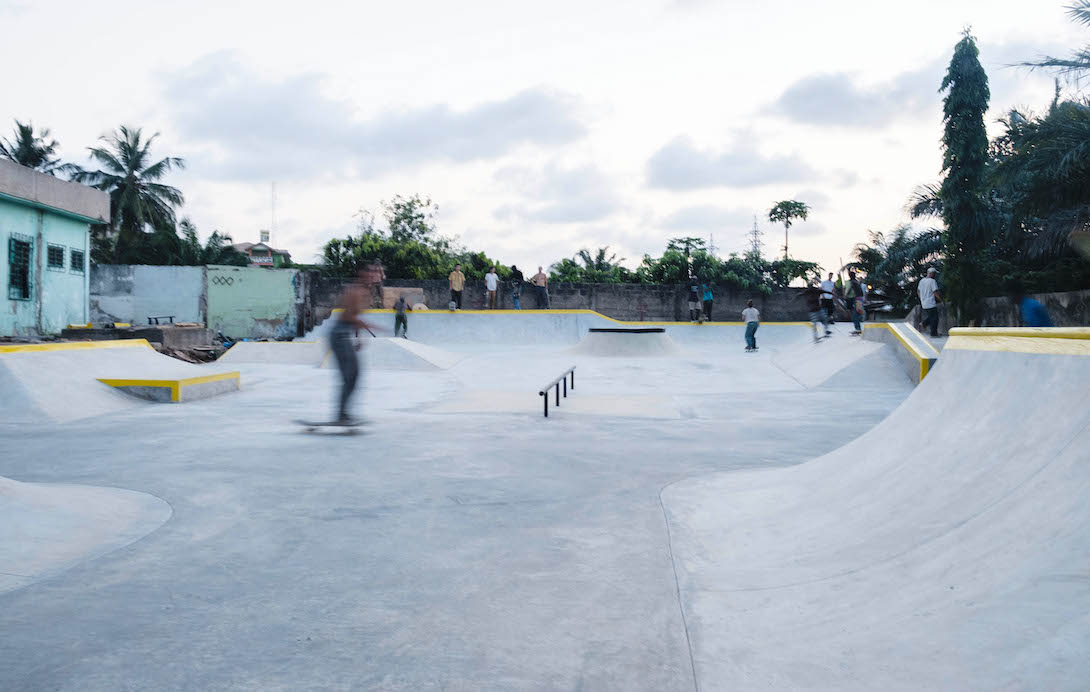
x: 1066, y: 341
x: 74, y: 345
x: 922, y: 358
x: 531, y: 312
x: 174, y: 385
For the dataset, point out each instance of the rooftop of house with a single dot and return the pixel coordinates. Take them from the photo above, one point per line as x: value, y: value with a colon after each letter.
x: 247, y: 247
x: 28, y: 186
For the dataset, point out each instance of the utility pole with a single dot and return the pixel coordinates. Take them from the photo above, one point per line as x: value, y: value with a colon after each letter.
x: 272, y: 213
x: 712, y: 249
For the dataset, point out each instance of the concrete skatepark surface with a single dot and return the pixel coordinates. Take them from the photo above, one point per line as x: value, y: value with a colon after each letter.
x: 684, y: 522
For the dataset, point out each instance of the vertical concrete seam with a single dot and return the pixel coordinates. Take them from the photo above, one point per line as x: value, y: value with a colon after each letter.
x: 677, y: 590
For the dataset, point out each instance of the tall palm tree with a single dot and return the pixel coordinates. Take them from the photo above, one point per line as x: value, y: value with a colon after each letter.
x: 1078, y: 64
x: 32, y: 150
x: 137, y: 200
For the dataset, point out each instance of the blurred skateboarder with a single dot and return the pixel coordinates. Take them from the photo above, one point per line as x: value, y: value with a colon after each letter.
x: 1030, y: 312
x: 343, y: 337
x: 828, y: 288
x: 817, y: 313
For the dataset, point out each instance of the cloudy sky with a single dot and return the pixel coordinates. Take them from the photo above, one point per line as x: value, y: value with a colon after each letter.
x: 538, y: 128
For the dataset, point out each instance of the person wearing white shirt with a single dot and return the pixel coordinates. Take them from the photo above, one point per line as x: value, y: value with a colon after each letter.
x: 828, y: 291
x: 491, y: 282
x: 752, y: 317
x: 930, y: 297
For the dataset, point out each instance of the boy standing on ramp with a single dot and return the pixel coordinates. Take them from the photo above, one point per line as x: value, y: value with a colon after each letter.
x: 343, y: 338
x: 752, y: 317
x: 401, y: 321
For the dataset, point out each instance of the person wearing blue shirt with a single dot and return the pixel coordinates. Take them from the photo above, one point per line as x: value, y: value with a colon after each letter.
x: 1030, y: 312
x: 706, y: 289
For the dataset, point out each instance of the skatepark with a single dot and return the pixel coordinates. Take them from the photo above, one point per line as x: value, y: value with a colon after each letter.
x: 855, y: 514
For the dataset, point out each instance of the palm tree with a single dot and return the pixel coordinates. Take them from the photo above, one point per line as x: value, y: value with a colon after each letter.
x: 896, y: 261
x: 785, y: 212
x: 137, y: 200
x: 1078, y: 64
x: 32, y: 150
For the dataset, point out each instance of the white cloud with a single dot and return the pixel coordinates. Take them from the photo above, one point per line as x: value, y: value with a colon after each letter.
x: 707, y: 217
x: 681, y: 165
x: 249, y: 128
x: 557, y: 194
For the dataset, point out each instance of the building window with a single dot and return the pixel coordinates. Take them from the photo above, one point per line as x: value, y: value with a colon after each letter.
x: 55, y: 257
x: 19, y: 248
x: 75, y: 262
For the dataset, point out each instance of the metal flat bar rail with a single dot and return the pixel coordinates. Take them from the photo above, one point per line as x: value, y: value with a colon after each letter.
x: 555, y: 384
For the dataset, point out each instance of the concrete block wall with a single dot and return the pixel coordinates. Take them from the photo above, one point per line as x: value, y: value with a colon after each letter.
x: 132, y: 293
x: 629, y: 302
x: 242, y: 302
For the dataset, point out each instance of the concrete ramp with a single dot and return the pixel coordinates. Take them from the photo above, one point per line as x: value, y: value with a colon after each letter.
x: 278, y: 352
x: 387, y: 353
x: 812, y: 364
x: 49, y: 528
x: 947, y: 548
x: 62, y: 382
x: 627, y: 343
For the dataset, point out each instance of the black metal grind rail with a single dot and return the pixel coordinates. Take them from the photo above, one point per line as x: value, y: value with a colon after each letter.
x: 563, y: 379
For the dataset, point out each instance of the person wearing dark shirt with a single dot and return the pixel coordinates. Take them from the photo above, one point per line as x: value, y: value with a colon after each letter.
x: 516, y: 280
x: 1030, y: 312
x: 694, y: 300
x: 853, y: 295
x: 401, y: 321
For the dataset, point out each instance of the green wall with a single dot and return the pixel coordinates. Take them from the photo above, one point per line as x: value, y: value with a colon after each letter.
x: 253, y: 301
x: 58, y: 296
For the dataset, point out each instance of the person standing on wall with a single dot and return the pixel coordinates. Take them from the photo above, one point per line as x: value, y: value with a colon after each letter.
x: 706, y: 288
x: 541, y: 288
x: 344, y: 337
x: 930, y: 297
x: 401, y: 320
x: 516, y: 286
x: 379, y: 274
x: 492, y: 283
x: 457, y: 282
x: 828, y: 291
x: 853, y: 295
x: 694, y: 299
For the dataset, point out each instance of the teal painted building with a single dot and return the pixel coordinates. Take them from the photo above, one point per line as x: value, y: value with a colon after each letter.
x: 45, y: 239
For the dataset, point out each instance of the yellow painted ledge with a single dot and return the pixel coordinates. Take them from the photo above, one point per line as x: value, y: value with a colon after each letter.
x: 924, y: 359
x: 175, y: 386
x: 74, y: 346
x: 1068, y: 341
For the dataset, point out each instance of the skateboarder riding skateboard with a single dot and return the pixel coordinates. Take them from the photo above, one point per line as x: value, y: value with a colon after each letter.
x: 343, y: 337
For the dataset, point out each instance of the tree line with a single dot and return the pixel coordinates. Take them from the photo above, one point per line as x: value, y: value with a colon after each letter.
x: 1011, y: 210
x: 143, y: 226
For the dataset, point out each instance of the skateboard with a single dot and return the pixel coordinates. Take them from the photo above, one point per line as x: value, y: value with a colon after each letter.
x: 310, y: 426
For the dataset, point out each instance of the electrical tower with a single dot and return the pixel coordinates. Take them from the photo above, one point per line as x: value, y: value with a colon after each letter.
x: 713, y: 249
x: 755, y: 239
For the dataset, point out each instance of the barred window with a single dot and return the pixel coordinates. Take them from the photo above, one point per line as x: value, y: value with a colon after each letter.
x: 75, y: 262
x: 55, y: 257
x: 19, y: 267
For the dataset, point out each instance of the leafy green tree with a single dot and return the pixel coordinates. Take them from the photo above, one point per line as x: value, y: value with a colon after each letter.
x: 33, y: 150
x: 894, y: 263
x: 142, y: 209
x: 216, y: 250
x: 965, y: 160
x: 686, y: 246
x: 410, y: 218
x: 786, y: 212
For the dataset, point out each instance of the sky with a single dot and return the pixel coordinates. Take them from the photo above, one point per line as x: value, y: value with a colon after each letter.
x: 537, y: 128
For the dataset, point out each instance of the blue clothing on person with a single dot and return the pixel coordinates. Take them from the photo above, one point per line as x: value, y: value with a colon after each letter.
x: 1034, y: 314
